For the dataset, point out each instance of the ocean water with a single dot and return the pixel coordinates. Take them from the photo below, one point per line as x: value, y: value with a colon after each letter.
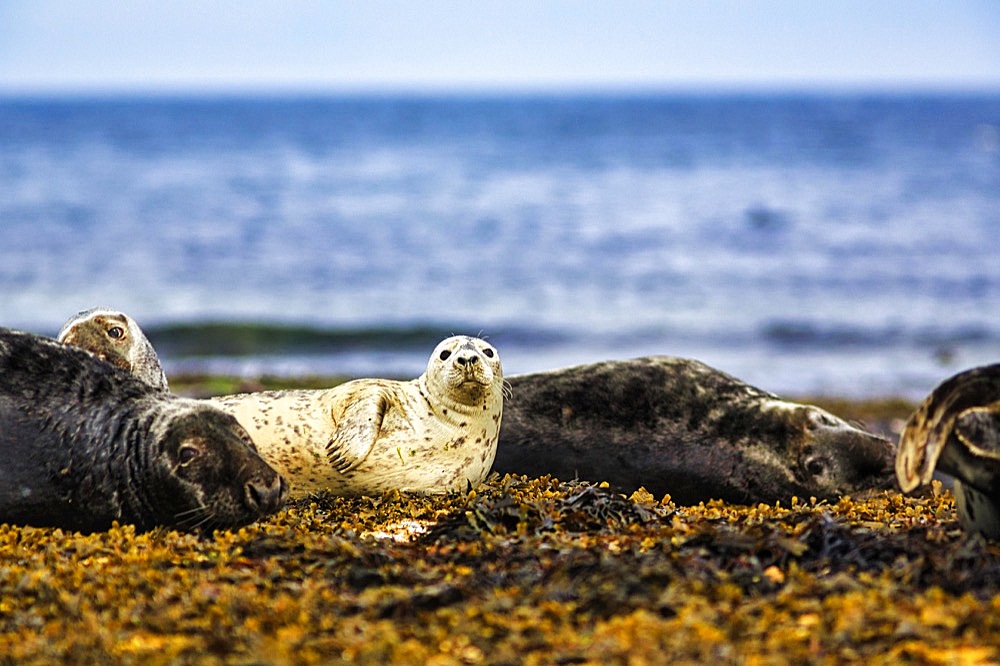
x: 811, y: 244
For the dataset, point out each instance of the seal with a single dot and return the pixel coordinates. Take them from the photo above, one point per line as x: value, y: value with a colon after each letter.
x: 678, y: 426
x: 115, y: 337
x: 86, y: 444
x: 433, y: 434
x: 956, y: 430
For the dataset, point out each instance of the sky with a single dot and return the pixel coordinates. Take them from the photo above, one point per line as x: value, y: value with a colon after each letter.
x: 94, y: 45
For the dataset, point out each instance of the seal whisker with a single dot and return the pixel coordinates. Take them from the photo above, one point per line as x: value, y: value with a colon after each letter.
x: 194, y: 519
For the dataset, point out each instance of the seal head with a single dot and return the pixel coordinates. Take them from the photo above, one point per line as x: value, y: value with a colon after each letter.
x: 464, y: 372
x: 116, y: 338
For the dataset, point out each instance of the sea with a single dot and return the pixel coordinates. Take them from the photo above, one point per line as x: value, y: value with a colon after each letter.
x: 839, y: 244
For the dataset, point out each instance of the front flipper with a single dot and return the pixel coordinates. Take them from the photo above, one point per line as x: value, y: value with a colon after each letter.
x: 357, y: 423
x: 974, y: 456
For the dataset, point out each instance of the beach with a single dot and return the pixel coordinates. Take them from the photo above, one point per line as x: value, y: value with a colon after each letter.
x: 518, y: 571
x: 836, y: 249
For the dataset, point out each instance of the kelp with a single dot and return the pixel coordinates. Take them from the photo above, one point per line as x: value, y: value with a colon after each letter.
x: 520, y: 570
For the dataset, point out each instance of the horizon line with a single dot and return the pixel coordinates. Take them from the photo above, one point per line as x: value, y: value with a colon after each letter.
x: 488, y: 89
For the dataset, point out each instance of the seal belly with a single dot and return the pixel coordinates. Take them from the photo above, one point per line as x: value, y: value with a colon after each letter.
x: 289, y: 430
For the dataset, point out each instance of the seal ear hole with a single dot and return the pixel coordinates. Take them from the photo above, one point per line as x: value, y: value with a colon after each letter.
x: 445, y: 354
x: 818, y: 419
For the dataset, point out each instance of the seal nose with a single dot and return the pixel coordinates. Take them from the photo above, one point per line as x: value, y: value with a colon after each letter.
x: 467, y: 360
x: 266, y: 497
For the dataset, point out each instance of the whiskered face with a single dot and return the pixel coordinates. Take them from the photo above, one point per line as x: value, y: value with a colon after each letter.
x: 211, y: 469
x: 105, y: 335
x: 836, y: 457
x: 116, y: 338
x: 466, y: 368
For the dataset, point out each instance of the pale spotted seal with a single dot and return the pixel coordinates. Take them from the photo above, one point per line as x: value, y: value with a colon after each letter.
x: 115, y: 337
x: 956, y: 430
x: 678, y: 426
x: 85, y: 444
x: 434, y: 434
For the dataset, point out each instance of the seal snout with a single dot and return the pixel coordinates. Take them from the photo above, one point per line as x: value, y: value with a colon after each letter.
x: 266, y: 497
x: 469, y: 365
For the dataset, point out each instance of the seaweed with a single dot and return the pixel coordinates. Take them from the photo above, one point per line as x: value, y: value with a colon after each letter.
x: 520, y: 570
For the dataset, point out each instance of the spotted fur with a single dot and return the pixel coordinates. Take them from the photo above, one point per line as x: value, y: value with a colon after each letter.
x: 678, y: 426
x: 434, y: 434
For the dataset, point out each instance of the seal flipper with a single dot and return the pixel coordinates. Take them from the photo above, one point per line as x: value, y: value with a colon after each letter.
x: 977, y: 460
x: 979, y: 427
x: 357, y: 429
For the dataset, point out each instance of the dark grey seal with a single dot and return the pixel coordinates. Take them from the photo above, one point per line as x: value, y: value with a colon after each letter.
x: 956, y: 430
x: 678, y: 426
x: 84, y: 444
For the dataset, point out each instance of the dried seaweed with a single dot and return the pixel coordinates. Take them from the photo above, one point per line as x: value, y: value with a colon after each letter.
x: 518, y: 571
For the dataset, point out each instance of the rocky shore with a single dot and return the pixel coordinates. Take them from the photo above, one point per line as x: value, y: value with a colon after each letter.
x: 519, y: 571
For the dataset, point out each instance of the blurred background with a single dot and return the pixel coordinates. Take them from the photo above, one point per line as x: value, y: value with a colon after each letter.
x: 804, y: 195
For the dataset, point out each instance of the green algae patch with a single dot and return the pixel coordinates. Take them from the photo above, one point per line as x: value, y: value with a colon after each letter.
x: 519, y: 571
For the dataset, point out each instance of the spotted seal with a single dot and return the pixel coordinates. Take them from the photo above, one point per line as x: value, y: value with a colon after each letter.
x: 956, y: 430
x: 434, y: 434
x: 115, y: 337
x: 86, y: 444
x: 678, y: 426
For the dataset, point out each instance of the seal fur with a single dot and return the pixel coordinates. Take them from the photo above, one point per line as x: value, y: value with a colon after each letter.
x: 86, y: 444
x: 434, y: 434
x: 956, y: 430
x: 115, y: 337
x: 678, y: 426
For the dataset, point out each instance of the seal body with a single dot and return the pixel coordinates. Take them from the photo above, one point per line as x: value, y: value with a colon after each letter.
x: 956, y: 430
x: 85, y: 444
x: 434, y: 434
x: 678, y: 426
x: 115, y: 337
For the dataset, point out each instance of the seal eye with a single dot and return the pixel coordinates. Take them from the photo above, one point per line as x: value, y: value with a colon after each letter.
x: 187, y: 454
x: 445, y: 354
x: 488, y: 352
x: 816, y: 466
x: 116, y: 332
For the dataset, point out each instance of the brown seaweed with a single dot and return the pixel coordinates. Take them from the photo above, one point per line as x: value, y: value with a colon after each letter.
x: 519, y: 571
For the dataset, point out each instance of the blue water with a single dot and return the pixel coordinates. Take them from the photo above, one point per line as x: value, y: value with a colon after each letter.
x: 839, y: 244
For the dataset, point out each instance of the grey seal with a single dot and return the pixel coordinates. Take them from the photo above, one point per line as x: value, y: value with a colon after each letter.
x: 433, y: 434
x: 115, y: 337
x: 956, y: 430
x: 86, y: 444
x: 678, y: 426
